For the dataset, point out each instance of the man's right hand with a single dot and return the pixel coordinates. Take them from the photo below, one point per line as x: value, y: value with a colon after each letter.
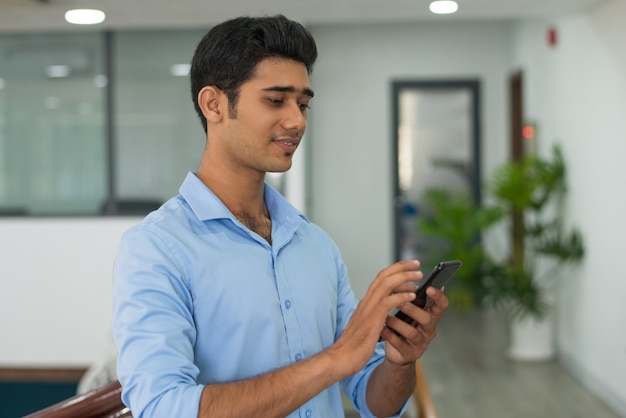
x: 391, y: 288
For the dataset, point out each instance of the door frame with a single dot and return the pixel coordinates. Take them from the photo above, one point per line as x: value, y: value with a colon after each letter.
x: 474, y: 86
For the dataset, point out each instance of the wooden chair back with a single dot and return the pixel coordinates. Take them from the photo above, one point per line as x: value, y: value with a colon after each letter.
x: 422, y: 396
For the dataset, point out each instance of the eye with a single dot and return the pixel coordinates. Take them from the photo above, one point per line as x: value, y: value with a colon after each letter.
x: 304, y: 106
x: 275, y: 102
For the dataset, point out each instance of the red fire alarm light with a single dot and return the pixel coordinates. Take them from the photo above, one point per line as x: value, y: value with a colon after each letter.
x: 529, y: 131
x: 552, y: 38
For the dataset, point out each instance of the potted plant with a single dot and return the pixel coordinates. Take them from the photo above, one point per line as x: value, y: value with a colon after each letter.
x: 453, y: 223
x: 532, y: 190
x: 527, y: 195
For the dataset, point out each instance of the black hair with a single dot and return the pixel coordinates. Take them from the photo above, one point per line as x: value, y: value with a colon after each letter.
x: 228, y: 54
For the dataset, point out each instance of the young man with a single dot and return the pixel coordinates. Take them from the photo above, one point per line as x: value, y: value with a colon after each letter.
x: 227, y: 300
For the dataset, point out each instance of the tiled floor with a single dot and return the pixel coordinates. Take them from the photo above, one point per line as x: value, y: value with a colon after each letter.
x: 470, y: 376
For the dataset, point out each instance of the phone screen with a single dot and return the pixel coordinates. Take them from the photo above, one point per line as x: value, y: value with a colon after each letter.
x: 437, y: 278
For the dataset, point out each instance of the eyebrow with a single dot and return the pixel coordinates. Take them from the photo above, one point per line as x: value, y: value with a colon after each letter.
x: 290, y: 89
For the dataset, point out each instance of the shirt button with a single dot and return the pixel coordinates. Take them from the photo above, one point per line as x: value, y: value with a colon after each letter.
x: 309, y: 413
x: 287, y: 304
x: 298, y: 357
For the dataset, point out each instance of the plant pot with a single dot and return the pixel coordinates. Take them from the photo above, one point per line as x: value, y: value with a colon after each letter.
x: 532, y: 339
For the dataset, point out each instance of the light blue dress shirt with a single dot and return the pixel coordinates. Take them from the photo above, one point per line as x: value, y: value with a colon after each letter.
x: 200, y: 299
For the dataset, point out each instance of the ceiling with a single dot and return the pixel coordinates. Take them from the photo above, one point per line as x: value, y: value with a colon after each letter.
x: 45, y: 15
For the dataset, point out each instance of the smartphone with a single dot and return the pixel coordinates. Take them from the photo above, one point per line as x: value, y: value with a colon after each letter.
x: 437, y: 278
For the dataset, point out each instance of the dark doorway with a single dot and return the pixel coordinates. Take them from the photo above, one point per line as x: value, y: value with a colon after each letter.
x: 436, y: 144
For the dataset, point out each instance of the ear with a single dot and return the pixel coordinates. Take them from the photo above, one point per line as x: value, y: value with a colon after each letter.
x: 212, y: 103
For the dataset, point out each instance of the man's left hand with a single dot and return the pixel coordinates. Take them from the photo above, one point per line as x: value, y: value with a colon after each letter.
x: 408, y: 342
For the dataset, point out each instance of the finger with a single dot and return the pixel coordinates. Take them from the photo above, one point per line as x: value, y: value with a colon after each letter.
x: 410, y: 344
x: 420, y: 316
x: 399, y: 267
x: 436, y: 309
x: 406, y: 287
x: 400, y: 281
x: 400, y: 299
x: 369, y: 308
x: 398, y: 341
x: 439, y: 301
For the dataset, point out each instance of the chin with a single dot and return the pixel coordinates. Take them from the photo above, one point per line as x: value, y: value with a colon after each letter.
x: 279, y: 170
x: 281, y: 167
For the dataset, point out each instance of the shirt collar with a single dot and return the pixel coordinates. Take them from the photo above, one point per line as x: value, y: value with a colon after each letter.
x: 207, y: 206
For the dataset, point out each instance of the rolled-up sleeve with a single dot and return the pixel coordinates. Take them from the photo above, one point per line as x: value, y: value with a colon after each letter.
x: 355, y: 386
x: 154, y: 328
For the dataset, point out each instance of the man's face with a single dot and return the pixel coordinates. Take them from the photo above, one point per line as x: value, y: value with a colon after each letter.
x: 271, y: 115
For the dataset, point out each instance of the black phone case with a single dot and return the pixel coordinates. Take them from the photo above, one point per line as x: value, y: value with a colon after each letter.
x: 437, y: 278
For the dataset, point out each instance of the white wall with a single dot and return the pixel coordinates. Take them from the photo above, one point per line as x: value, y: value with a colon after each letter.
x: 55, y: 299
x: 576, y: 93
x: 351, y: 137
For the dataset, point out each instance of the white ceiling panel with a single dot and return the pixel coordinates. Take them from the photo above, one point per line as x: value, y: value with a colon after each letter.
x: 43, y: 15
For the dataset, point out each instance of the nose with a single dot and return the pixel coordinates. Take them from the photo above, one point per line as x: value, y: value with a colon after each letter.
x: 294, y: 118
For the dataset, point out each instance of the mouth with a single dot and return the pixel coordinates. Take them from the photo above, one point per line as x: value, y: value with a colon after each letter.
x: 288, y: 144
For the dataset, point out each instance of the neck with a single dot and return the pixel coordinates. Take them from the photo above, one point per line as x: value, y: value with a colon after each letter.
x: 244, y: 199
x: 240, y: 194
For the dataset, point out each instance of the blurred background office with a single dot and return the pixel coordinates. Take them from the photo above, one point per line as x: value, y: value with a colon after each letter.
x: 97, y: 127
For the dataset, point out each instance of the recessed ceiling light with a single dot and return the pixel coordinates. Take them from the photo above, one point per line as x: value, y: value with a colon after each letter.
x: 84, y: 16
x: 444, y: 7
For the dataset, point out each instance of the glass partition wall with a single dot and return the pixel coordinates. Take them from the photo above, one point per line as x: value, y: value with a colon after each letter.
x: 159, y: 137
x: 95, y: 123
x: 52, y: 138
